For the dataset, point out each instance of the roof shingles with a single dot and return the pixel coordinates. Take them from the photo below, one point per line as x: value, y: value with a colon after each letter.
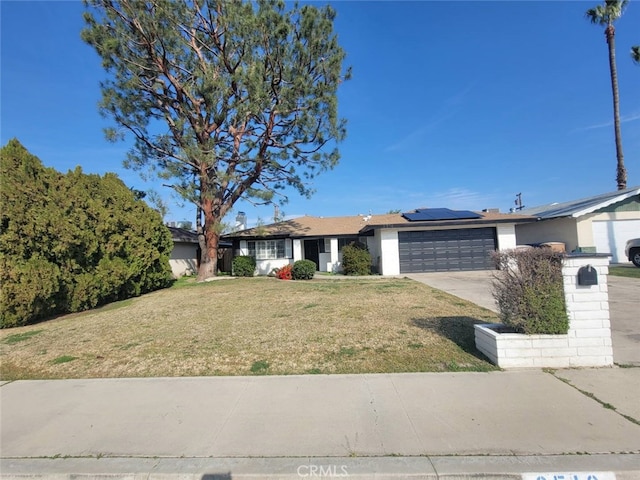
x: 309, y: 226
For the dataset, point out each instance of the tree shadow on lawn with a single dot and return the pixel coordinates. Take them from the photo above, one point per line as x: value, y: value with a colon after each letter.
x: 457, y: 329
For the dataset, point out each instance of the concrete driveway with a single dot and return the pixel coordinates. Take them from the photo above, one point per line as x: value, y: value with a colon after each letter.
x: 474, y: 286
x: 624, y: 293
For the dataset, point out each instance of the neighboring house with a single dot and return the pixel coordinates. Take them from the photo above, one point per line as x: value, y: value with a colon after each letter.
x: 602, y: 223
x: 424, y: 240
x: 184, y: 256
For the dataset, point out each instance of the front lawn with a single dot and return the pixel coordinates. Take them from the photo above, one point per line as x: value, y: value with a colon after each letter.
x: 625, y: 271
x: 255, y: 326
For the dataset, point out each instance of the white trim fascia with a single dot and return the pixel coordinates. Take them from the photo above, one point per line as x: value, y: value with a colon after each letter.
x: 606, y: 203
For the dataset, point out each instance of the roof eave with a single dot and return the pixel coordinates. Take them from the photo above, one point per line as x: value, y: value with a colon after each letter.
x: 257, y: 237
x: 606, y: 203
x: 449, y: 223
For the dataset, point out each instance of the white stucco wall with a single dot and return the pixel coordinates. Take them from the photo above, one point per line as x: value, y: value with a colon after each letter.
x: 264, y: 267
x: 506, y: 235
x: 331, y: 260
x: 324, y: 259
x: 387, y: 243
x: 574, y: 232
x: 335, y: 260
x: 183, y: 259
x: 297, y: 249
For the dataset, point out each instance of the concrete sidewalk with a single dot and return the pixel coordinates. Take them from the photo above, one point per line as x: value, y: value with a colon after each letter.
x: 398, y: 425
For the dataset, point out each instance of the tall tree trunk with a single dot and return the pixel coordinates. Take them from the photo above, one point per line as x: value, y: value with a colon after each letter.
x: 208, y: 240
x: 621, y: 171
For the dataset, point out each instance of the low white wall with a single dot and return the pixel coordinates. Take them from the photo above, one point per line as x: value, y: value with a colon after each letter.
x: 325, y: 262
x: 588, y: 341
x: 264, y: 267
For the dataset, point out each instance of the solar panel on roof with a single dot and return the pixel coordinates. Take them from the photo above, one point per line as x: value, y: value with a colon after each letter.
x: 433, y: 214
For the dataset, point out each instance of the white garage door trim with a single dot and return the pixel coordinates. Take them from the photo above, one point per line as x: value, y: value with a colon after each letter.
x: 610, y: 236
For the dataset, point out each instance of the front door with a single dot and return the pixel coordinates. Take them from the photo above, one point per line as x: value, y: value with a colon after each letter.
x: 311, y: 252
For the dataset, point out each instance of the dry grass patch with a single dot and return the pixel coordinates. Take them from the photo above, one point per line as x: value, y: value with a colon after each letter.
x: 255, y: 326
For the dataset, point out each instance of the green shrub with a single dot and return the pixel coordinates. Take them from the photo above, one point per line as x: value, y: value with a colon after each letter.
x: 304, y: 270
x: 356, y: 259
x: 244, y: 266
x: 31, y: 290
x: 529, y: 291
x: 72, y: 241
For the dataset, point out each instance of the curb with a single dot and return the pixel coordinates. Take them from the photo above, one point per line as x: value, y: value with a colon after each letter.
x: 546, y: 467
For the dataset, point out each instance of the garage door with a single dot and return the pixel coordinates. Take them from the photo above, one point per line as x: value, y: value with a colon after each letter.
x: 610, y: 236
x: 446, y: 250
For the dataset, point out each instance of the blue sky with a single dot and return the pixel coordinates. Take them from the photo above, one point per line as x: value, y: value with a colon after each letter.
x: 452, y: 104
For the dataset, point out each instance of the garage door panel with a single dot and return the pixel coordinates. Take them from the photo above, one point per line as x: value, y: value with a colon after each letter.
x: 446, y: 250
x: 610, y: 236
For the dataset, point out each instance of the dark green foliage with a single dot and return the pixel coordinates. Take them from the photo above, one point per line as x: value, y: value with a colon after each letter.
x: 529, y: 291
x: 31, y: 289
x: 303, y: 270
x: 246, y: 91
x: 244, y: 266
x: 74, y: 241
x: 356, y: 259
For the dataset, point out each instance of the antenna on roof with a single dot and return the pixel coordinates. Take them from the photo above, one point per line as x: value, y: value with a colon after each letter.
x: 519, y: 205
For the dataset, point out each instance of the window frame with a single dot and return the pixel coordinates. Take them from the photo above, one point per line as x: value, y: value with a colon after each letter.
x: 270, y: 249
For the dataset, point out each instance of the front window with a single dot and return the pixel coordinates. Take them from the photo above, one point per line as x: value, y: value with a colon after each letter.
x: 343, y: 242
x: 266, y: 249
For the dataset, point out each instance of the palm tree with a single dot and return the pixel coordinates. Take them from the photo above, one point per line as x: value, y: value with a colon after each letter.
x: 606, y: 14
x: 635, y: 54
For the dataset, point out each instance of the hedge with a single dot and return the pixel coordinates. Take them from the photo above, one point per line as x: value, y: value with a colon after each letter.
x: 70, y: 242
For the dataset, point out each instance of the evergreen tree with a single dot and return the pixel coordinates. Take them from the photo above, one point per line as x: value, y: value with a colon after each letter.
x: 225, y: 99
x: 72, y: 242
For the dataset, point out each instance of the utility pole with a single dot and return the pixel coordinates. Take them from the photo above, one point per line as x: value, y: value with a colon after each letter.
x: 519, y: 205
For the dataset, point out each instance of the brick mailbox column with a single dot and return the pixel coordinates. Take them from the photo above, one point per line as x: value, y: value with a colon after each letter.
x: 588, y: 341
x: 589, y: 333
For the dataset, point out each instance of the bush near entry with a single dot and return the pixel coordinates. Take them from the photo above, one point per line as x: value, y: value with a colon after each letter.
x: 356, y: 259
x: 70, y: 242
x: 284, y: 273
x: 303, y: 270
x: 529, y: 291
x: 244, y: 266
